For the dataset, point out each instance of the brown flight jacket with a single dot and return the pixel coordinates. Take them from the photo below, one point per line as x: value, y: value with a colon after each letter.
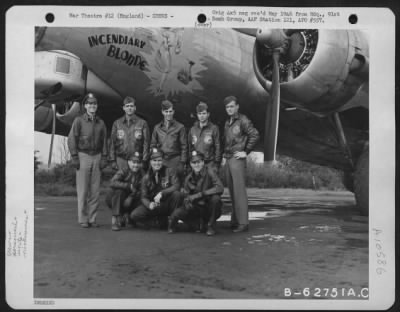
x: 206, y: 182
x: 205, y: 140
x: 171, y: 141
x: 240, y: 135
x: 88, y: 136
x: 128, y: 180
x: 128, y: 139
x: 167, y: 184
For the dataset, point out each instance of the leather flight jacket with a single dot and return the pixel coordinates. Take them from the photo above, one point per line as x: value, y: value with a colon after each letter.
x: 205, y: 140
x: 164, y: 181
x: 239, y: 135
x: 88, y: 135
x: 128, y: 137
x: 171, y: 141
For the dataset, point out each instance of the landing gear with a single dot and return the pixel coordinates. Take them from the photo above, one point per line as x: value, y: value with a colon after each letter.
x: 361, y: 182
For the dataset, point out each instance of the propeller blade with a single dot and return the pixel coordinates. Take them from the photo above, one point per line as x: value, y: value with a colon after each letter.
x: 70, y: 115
x: 53, y: 131
x: 40, y: 104
x: 248, y: 31
x: 52, y: 90
x: 272, y: 112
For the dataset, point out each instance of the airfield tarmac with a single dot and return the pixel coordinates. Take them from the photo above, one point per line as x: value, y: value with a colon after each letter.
x: 297, y: 239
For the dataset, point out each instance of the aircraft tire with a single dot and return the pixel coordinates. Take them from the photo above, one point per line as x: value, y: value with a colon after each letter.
x: 361, y: 182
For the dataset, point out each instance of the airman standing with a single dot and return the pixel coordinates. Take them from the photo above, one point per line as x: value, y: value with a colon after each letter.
x: 170, y: 137
x: 240, y: 137
x: 204, y: 137
x: 129, y: 134
x: 87, y: 143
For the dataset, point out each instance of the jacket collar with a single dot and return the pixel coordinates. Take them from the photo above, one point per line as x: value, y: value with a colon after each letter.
x: 132, y: 119
x: 202, y: 173
x: 171, y: 123
x: 208, y: 124
x: 87, y: 117
x: 234, y: 118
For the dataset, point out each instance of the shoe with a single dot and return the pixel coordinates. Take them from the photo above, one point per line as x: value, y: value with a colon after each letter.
x: 85, y: 225
x: 210, y: 231
x: 114, y: 224
x: 115, y: 227
x: 241, y: 228
x: 124, y: 221
x: 94, y: 225
x: 234, y: 226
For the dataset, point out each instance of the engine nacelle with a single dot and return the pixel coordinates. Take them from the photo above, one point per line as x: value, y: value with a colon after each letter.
x: 43, y: 118
x: 320, y: 72
x: 59, y: 67
x: 62, y: 79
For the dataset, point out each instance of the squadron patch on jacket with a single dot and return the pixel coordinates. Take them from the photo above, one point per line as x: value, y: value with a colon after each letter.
x: 194, y: 139
x: 208, y: 139
x: 138, y: 133
x: 236, y: 130
x: 120, y: 134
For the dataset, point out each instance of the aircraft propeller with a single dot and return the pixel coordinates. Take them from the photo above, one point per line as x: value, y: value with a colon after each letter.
x: 48, y: 93
x: 277, y: 43
x: 53, y: 131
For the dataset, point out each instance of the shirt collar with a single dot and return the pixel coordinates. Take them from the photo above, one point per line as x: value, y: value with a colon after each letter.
x: 171, y: 123
x: 88, y: 118
x: 202, y: 173
x: 133, y: 118
x: 234, y: 117
x: 205, y: 126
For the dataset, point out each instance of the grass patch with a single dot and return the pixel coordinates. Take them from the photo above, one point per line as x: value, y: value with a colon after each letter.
x: 288, y: 173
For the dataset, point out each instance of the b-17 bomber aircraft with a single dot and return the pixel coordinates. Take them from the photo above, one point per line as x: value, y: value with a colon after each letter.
x: 306, y: 90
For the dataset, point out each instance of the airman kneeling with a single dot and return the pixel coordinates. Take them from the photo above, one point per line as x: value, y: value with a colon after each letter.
x: 124, y: 195
x: 202, y: 197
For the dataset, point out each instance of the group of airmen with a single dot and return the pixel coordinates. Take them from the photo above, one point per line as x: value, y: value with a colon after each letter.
x: 153, y: 184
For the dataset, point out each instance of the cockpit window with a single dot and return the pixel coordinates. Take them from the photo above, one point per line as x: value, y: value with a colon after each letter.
x: 63, y: 65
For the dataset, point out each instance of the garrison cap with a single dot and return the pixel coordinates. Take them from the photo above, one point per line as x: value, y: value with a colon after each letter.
x: 166, y: 105
x: 136, y: 157
x: 128, y: 100
x: 201, y: 107
x: 156, y: 153
x: 195, y: 155
x: 89, y: 98
x: 229, y: 99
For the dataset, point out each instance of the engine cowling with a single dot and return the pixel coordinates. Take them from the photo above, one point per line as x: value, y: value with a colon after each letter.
x: 62, y: 79
x: 320, y: 71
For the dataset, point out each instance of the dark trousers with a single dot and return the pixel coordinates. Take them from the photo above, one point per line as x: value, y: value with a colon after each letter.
x: 167, y: 206
x: 208, y: 210
x: 176, y: 164
x: 120, y: 202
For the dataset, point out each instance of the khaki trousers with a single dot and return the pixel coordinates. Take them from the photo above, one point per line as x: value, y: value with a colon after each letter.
x: 88, y: 187
x: 235, y: 172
